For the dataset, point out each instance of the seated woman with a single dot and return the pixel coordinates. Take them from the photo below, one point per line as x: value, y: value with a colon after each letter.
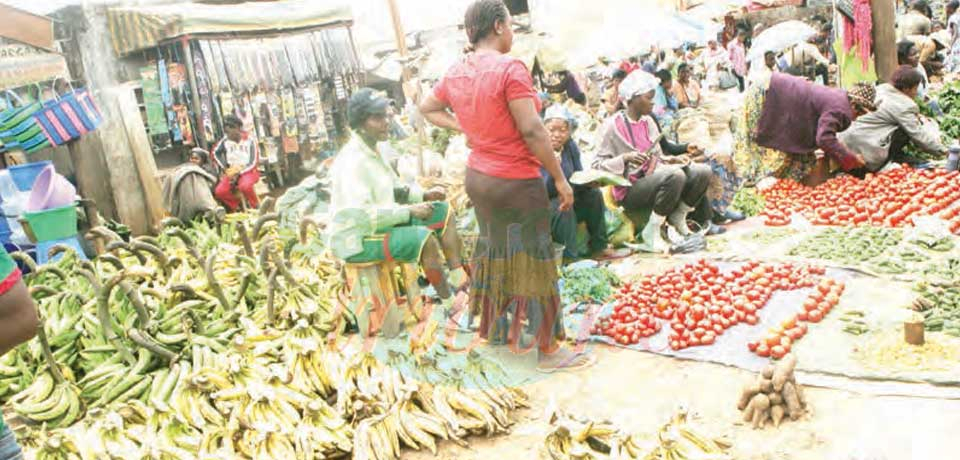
x: 187, y: 193
x: 664, y: 103
x: 375, y: 217
x: 588, y: 204
x: 880, y: 136
x: 797, y: 118
x: 663, y: 175
x: 686, y: 91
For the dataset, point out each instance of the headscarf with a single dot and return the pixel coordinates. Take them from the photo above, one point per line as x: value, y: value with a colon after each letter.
x: 863, y: 95
x: 561, y: 112
x: 637, y: 83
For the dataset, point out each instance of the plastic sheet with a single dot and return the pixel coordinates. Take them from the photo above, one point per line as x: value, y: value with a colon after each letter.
x: 826, y: 354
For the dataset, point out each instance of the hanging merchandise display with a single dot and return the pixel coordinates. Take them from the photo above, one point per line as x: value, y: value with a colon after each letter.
x: 67, y: 117
x: 153, y: 103
x: 19, y: 129
x: 290, y: 130
x: 167, y: 99
x: 206, y: 131
x: 289, y: 91
x: 183, y: 123
x: 858, y: 31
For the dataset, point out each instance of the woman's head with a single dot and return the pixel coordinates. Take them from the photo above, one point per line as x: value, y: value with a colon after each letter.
x: 770, y: 59
x: 907, y: 53
x: 683, y: 72
x: 862, y: 97
x: 560, y: 123
x: 666, y: 79
x: 921, y: 7
x: 907, y: 79
x: 367, y: 112
x: 952, y: 7
x: 198, y: 156
x: 489, y: 22
x: 637, y: 92
x: 233, y: 128
x: 618, y: 76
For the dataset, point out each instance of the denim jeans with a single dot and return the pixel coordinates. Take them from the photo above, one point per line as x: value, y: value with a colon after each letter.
x: 9, y: 449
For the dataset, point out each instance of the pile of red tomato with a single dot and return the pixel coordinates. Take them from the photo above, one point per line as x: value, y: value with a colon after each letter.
x: 778, y: 341
x: 698, y: 301
x: 889, y: 199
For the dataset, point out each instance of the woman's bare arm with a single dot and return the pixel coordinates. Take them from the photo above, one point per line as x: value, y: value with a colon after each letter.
x: 18, y: 317
x: 436, y: 113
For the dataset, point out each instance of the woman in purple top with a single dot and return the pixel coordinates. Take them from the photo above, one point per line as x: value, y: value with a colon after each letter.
x: 799, y: 118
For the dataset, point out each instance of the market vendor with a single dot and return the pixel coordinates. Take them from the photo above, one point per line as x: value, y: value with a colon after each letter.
x: 377, y: 218
x: 685, y: 90
x: 187, y: 192
x: 238, y: 159
x: 611, y: 98
x: 799, y: 117
x: 588, y: 204
x: 881, y: 136
x: 915, y: 22
x: 662, y: 173
x: 664, y: 104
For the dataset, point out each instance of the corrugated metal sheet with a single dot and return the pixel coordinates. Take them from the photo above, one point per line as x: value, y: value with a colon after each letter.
x: 137, y: 27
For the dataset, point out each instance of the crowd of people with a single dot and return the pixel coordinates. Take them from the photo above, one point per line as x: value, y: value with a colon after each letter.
x: 793, y: 122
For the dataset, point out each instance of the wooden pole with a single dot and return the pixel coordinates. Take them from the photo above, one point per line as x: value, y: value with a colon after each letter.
x: 401, y: 39
x: 199, y: 133
x: 884, y: 37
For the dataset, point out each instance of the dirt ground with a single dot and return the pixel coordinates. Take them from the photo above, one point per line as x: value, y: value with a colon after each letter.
x: 638, y: 391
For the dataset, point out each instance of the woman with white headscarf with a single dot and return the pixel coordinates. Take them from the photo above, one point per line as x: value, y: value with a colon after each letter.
x: 663, y: 174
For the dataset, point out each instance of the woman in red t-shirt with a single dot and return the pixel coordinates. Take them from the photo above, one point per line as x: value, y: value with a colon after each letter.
x: 495, y: 105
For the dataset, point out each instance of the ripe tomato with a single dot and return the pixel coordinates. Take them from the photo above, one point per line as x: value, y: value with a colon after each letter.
x: 708, y: 339
x: 751, y: 320
x: 815, y: 316
x: 763, y: 350
x: 778, y: 352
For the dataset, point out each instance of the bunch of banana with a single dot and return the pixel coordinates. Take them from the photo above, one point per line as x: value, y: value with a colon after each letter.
x: 266, y: 443
x: 191, y: 397
x: 15, y: 373
x: 50, y: 399
x: 323, y: 430
x: 58, y: 447
x: 575, y: 438
x: 118, y: 382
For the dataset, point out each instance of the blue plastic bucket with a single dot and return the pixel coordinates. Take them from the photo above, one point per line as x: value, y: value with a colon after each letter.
x: 26, y: 174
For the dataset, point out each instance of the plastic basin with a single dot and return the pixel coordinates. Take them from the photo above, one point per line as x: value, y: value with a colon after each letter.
x: 26, y: 174
x: 51, y: 190
x: 53, y: 224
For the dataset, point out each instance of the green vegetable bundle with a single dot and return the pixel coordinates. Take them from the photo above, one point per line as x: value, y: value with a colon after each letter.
x: 848, y: 245
x: 593, y: 284
x: 940, y: 308
x: 748, y: 201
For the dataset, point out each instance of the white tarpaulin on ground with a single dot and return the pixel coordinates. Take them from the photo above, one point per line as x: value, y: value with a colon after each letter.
x: 780, y: 37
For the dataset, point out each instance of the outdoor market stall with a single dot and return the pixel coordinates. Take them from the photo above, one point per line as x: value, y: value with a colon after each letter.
x: 284, y: 68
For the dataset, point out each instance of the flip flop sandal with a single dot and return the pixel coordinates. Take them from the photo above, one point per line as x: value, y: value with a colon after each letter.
x: 616, y: 255
x: 571, y: 364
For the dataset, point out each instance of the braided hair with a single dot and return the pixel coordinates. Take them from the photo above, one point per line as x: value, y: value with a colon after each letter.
x: 482, y: 17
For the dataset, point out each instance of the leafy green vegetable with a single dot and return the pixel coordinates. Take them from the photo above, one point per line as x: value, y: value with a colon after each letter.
x: 594, y: 284
x: 748, y: 201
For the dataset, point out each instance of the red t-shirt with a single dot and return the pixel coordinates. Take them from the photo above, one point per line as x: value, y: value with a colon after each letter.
x: 479, y: 90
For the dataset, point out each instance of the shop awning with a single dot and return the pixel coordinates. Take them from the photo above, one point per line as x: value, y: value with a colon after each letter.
x: 24, y: 65
x: 137, y: 27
